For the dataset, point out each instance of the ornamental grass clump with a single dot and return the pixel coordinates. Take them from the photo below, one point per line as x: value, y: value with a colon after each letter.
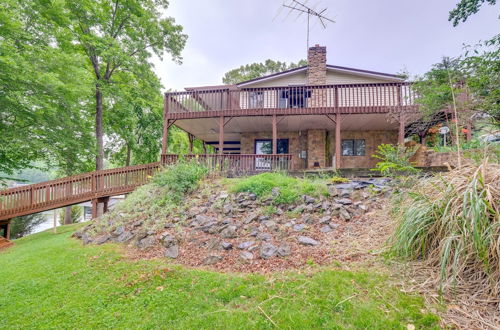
x: 452, y: 221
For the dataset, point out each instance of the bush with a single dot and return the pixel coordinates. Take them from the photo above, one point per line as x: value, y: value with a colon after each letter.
x: 452, y: 221
x: 395, y: 160
x: 290, y: 188
x: 180, y: 179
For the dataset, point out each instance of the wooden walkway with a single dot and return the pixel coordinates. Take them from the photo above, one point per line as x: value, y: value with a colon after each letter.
x: 93, y: 186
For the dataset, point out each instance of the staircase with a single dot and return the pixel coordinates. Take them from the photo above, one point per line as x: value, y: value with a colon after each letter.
x: 5, y: 243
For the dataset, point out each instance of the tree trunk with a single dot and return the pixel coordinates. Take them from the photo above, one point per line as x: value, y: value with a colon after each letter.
x: 129, y: 151
x: 99, y: 160
x: 67, y: 215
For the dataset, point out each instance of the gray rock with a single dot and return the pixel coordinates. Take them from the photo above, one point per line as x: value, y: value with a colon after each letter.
x: 212, y: 260
x: 334, y: 225
x: 226, y: 245
x: 124, y: 237
x: 268, y: 251
x: 336, y: 206
x: 254, y: 232
x: 309, y: 199
x: 223, y: 195
x: 252, y: 197
x: 213, y: 244
x: 344, y: 201
x: 263, y: 218
x: 86, y: 239
x: 227, y: 208
x: 299, y: 209
x: 168, y: 240
x: 264, y: 236
x: 146, y: 242
x: 172, y: 252
x: 275, y: 192
x: 304, y: 240
x: 307, y: 218
x: 269, y: 224
x: 326, y: 229
x: 251, y: 217
x: 246, y: 245
x: 345, y: 193
x: 344, y: 214
x: 299, y: 227
x: 229, y: 232
x: 118, y: 231
x: 137, y: 223
x: 363, y: 207
x: 284, y: 250
x: 325, y: 219
x: 245, y: 255
x: 332, y: 191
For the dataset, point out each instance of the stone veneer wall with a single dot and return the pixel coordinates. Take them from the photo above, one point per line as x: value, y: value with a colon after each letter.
x: 316, y: 148
x: 372, y: 140
x: 295, y: 143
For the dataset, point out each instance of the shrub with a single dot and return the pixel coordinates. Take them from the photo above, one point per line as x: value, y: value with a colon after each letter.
x: 395, y: 160
x: 290, y: 188
x: 452, y: 221
x: 180, y: 179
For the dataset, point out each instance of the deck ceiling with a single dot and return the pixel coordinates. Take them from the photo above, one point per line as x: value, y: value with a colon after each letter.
x: 207, y: 129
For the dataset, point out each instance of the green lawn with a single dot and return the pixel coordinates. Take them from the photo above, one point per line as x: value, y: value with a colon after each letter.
x: 52, y: 281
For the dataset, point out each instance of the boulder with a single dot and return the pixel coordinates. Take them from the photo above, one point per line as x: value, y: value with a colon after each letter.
x: 326, y: 229
x: 172, y: 252
x: 267, y: 251
x: 146, y: 242
x: 309, y: 199
x: 212, y: 260
x: 344, y: 201
x: 118, y: 231
x: 229, y: 232
x: 168, y: 240
x: 284, y: 250
x: 124, y: 237
x: 246, y: 245
x: 325, y: 219
x: 304, y: 240
x: 299, y: 227
x: 344, y: 214
x: 245, y: 255
x: 251, y: 217
x: 226, y: 245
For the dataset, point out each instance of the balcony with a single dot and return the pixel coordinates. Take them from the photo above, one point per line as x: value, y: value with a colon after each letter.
x: 290, y: 100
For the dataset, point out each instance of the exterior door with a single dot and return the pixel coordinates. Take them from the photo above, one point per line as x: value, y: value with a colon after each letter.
x: 265, y: 147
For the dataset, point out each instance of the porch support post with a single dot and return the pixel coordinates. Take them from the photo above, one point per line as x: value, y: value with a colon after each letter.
x: 6, y: 229
x: 221, y: 135
x: 94, y: 208
x: 401, y: 133
x: 275, y: 135
x: 164, y: 146
x: 337, y: 141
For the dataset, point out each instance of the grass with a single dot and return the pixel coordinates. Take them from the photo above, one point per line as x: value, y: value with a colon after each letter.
x: 52, y: 281
x: 452, y: 221
x: 289, y: 188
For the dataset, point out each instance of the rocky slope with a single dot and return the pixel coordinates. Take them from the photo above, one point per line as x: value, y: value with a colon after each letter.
x: 239, y: 231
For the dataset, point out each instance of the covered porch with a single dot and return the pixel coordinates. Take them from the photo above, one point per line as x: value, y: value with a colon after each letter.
x: 289, y: 142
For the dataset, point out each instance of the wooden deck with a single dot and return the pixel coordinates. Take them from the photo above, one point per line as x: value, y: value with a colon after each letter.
x: 98, y: 185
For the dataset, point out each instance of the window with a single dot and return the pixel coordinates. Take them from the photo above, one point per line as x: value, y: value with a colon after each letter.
x: 256, y: 100
x: 353, y: 147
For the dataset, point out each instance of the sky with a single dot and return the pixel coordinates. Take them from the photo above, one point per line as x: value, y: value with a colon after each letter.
x: 389, y: 36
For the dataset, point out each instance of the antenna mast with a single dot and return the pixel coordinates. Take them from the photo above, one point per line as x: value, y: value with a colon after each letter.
x: 301, y: 7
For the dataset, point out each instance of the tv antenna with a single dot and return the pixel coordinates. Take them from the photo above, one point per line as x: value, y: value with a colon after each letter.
x: 302, y: 8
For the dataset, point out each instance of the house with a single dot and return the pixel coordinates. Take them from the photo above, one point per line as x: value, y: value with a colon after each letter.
x: 315, y: 116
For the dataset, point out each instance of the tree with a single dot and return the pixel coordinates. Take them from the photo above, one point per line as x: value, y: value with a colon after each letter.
x: 466, y: 8
x: 22, y: 226
x: 116, y: 37
x: 256, y: 70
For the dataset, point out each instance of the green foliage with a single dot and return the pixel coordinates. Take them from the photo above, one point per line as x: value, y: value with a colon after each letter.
x: 22, y: 226
x: 289, y: 188
x: 395, y: 160
x: 76, y: 214
x: 466, y: 8
x: 339, y: 179
x: 257, y: 70
x: 180, y: 179
x: 102, y: 289
x: 452, y: 221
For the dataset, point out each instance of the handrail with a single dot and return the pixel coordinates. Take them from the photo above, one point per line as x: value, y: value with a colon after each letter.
x: 83, y: 187
x: 366, y: 97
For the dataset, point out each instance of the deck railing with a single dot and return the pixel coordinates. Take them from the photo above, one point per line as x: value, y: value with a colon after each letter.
x: 351, y: 98
x: 73, y: 189
x: 237, y: 164
x: 88, y: 186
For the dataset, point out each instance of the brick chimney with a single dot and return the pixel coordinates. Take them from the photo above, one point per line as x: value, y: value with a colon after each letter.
x: 316, y: 71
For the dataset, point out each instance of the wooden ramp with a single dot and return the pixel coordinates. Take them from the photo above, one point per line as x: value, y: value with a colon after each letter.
x: 92, y: 186
x: 5, y: 243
